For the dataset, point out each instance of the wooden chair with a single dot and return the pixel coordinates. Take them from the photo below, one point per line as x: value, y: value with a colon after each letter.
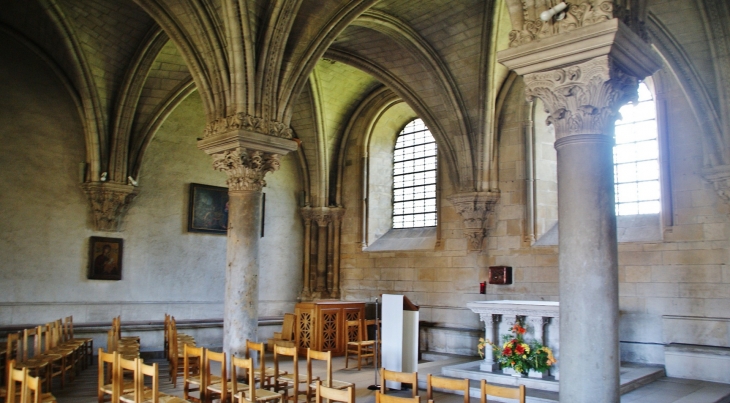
x: 346, y: 395
x: 403, y: 377
x: 314, y: 355
x: 501, y: 391
x: 86, y: 343
x: 15, y: 383
x: 108, y: 380
x: 264, y: 375
x: 124, y: 367
x: 11, y: 355
x: 32, y: 392
x: 193, y: 379
x: 61, y: 359
x: 175, y: 354
x: 151, y: 394
x: 363, y: 348
x: 383, y: 398
x: 248, y: 392
x: 284, y: 338
x: 216, y: 386
x: 32, y: 356
x: 461, y: 385
x: 283, y: 381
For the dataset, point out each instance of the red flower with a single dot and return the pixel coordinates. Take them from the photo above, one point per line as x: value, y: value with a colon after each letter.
x: 518, y: 329
x: 519, y: 349
x: 507, y: 351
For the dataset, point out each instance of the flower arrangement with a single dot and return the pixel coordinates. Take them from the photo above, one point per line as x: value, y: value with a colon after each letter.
x: 519, y: 355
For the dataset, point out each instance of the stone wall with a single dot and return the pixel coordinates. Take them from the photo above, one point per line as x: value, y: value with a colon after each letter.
x: 684, y: 274
x: 46, y: 223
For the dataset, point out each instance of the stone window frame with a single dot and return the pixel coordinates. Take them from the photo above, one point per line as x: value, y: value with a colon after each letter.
x: 628, y: 227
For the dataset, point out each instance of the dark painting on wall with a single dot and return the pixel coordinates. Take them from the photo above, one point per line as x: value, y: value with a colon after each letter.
x: 208, y: 209
x: 105, y: 258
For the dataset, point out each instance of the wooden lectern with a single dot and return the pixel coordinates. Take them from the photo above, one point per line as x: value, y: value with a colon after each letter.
x: 400, y: 336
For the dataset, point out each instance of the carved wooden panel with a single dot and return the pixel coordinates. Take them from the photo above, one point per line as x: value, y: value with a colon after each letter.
x: 322, y: 325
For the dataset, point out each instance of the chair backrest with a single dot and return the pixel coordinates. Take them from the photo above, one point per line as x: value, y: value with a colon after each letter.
x: 149, y: 370
x: 259, y: 348
x: 212, y: 356
x: 16, y: 382
x: 395, y: 376
x: 245, y: 365
x: 32, y: 392
x: 314, y: 355
x: 107, y: 367
x: 287, y: 327
x: 12, y: 350
x: 334, y: 395
x: 288, y: 352
x: 167, y: 336
x: 354, y: 330
x: 383, y: 398
x: 446, y: 383
x: 128, y: 366
x: 31, y: 342
x: 501, y: 391
x: 193, y: 358
x: 68, y: 327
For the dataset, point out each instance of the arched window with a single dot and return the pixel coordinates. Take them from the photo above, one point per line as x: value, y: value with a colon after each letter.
x: 414, y: 177
x: 636, y: 157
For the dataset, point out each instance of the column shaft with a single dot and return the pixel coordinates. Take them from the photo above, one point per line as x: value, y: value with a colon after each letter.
x: 588, y: 270
x: 240, y: 315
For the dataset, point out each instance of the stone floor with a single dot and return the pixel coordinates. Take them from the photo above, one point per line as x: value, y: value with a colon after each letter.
x: 664, y: 390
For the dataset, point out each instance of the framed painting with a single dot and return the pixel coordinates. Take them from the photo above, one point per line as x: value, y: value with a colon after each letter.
x: 105, y: 258
x: 208, y: 209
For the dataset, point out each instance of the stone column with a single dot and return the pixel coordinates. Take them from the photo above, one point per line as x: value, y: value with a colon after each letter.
x: 337, y: 214
x: 491, y: 332
x: 307, y: 218
x: 323, y: 220
x: 246, y: 157
x: 583, y: 76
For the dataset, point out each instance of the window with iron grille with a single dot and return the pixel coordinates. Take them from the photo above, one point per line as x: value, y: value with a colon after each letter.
x: 414, y: 177
x: 636, y: 157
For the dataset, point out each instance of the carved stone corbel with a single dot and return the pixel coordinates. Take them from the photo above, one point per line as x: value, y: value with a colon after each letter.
x: 719, y: 176
x: 108, y: 201
x: 477, y: 210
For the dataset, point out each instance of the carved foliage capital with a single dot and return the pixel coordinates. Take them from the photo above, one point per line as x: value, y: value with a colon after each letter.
x: 476, y: 210
x: 527, y: 25
x: 244, y: 121
x: 245, y: 168
x: 108, y: 201
x: 582, y: 98
x: 323, y: 216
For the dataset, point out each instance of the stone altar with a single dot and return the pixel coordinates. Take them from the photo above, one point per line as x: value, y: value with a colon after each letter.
x: 542, y: 319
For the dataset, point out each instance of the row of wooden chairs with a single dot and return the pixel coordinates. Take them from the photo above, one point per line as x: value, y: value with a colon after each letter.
x: 24, y: 388
x: 174, y: 344
x: 436, y: 382
x: 112, y: 384
x: 127, y: 346
x: 47, y: 351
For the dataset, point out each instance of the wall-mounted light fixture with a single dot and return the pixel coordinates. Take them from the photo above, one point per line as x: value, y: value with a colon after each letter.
x: 558, y: 9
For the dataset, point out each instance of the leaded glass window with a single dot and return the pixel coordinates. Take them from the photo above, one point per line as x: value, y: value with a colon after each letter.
x: 414, y: 177
x: 636, y: 157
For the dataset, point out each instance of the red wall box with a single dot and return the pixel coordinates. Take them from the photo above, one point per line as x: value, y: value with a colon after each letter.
x: 500, y: 275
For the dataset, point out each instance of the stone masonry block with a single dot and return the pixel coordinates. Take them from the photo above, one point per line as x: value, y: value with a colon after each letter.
x: 687, y: 274
x: 694, y: 257
x: 637, y: 274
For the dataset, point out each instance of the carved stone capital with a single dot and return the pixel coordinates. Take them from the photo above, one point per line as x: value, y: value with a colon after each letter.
x: 583, y: 98
x: 307, y: 215
x: 108, y: 201
x: 528, y: 27
x: 477, y: 211
x: 322, y: 216
x: 246, y: 156
x: 242, y: 121
x: 245, y: 168
x: 720, y: 178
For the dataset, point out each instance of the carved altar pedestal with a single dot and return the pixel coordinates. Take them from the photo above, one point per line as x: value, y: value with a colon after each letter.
x: 321, y: 325
x: 540, y: 317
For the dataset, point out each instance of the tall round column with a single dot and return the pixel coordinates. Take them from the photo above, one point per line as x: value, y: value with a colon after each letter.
x: 240, y: 315
x: 588, y: 270
x: 582, y: 102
